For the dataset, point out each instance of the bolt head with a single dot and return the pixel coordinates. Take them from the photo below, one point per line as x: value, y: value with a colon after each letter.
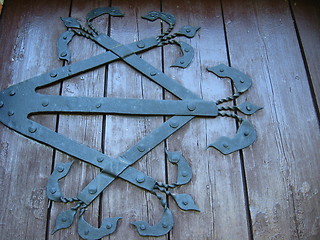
x: 188, y: 30
x: 98, y: 105
x: 248, y: 108
x: 100, y: 159
x: 164, y: 225
x: 108, y: 226
x: 140, y: 179
x: 32, y: 129
x: 63, y: 54
x: 53, y: 74
x: 86, y: 232
x: 153, y: 73
x: 185, y: 203
x: 1, y: 104
x: 141, y: 148
x: 10, y: 113
x: 182, y: 62
x: 221, y: 70
x: 141, y: 44
x: 187, y: 50
x: 242, y: 81
x: 225, y: 145
x: 191, y: 107
x: 142, y: 227
x: 12, y: 93
x: 64, y: 219
x: 174, y: 124
x: 45, y: 103
x: 53, y: 190
x: 246, y: 134
x: 64, y: 37
x: 184, y: 174
x: 92, y: 190
x: 60, y: 169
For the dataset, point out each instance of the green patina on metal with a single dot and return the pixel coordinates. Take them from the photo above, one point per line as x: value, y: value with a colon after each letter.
x: 19, y: 101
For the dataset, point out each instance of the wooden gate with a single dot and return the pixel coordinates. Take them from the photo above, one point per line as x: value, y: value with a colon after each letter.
x: 267, y: 191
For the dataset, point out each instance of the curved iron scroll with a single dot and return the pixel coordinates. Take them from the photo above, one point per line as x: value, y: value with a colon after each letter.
x: 182, y: 111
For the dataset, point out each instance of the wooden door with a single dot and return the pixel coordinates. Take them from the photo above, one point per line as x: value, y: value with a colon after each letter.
x: 269, y: 190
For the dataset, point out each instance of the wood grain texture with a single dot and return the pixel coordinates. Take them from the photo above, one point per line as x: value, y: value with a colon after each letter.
x: 84, y: 129
x: 121, y: 199
x: 25, y: 165
x: 307, y: 16
x: 217, y: 183
x: 282, y: 167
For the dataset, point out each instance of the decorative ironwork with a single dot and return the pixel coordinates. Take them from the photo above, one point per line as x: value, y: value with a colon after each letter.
x: 19, y: 101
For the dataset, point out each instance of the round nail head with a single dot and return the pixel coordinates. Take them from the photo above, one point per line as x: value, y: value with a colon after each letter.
x: 63, y: 54
x: 153, y: 73
x: 45, y: 103
x: 108, y: 226
x: 53, y: 74
x: 143, y: 227
x: 140, y: 179
x: 100, y: 159
x: 174, y: 124
x: 1, y: 104
x: 10, y: 113
x: 12, y: 93
x: 141, y: 44
x: 141, y: 148
x: 248, y: 108
x: 60, y: 169
x: 32, y: 129
x: 92, y: 190
x: 53, y: 190
x: 191, y: 107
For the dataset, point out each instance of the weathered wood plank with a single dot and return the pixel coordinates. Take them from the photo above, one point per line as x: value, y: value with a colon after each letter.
x: 85, y: 129
x: 25, y: 165
x: 217, y: 183
x: 121, y: 199
x: 307, y: 16
x: 282, y: 167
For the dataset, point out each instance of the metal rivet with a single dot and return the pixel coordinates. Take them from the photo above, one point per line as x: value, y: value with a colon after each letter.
x: 225, y: 145
x: 143, y: 227
x: 12, y: 92
x: 113, y: 10
x: 246, y: 133
x: 164, y: 225
x: 10, y: 113
x: 1, y: 104
x: 98, y: 105
x: 100, y: 159
x: 174, y: 124
x: 188, y: 30
x: 64, y: 219
x: 191, y: 107
x: 184, y: 174
x: 86, y: 232
x: 185, y: 203
x: 140, y: 179
x: 53, y: 190
x: 221, y: 70
x: 45, y: 103
x: 182, y: 62
x: 186, y: 50
x: 175, y: 159
x: 108, y: 226
x: 242, y: 81
x: 248, y: 108
x: 64, y: 37
x: 153, y: 73
x: 141, y: 44
x: 92, y: 190
x: 141, y: 148
x: 32, y: 129
x: 63, y: 54
x: 60, y: 169
x: 53, y: 74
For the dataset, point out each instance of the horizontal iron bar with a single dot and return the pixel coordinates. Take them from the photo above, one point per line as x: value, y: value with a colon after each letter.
x: 67, y: 104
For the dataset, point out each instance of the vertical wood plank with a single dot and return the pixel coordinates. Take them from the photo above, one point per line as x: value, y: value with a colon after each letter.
x: 29, y: 30
x: 217, y: 183
x: 121, y: 199
x: 307, y: 16
x: 85, y: 129
x: 283, y: 166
